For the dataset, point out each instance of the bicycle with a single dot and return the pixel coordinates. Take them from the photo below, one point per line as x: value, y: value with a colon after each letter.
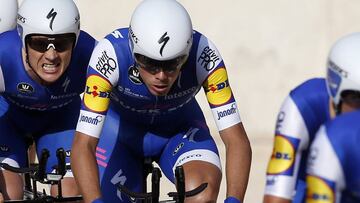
x: 37, y: 173
x: 153, y: 196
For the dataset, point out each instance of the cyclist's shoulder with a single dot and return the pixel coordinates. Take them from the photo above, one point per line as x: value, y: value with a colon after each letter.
x: 119, y: 36
x: 312, y: 84
x: 346, y: 123
x: 8, y: 39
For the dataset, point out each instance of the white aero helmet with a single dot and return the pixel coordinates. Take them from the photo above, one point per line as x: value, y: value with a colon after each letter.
x: 48, y: 17
x: 343, y: 67
x: 160, y: 30
x: 8, y: 12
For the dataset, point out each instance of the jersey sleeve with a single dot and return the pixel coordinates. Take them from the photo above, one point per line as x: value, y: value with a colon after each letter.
x: 325, y: 177
x: 102, y: 75
x: 291, y: 138
x: 212, y: 74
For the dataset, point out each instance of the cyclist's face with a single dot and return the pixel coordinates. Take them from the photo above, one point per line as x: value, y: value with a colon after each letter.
x: 49, y: 56
x: 158, y: 82
x: 350, y: 101
x: 159, y: 76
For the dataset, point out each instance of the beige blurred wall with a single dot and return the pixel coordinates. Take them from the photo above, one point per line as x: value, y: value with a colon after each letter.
x: 269, y: 47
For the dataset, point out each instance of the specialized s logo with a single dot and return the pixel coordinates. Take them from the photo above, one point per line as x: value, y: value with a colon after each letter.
x: 163, y: 39
x: 97, y: 93
x: 217, y: 87
x: 319, y: 190
x: 283, y: 155
x: 51, y: 15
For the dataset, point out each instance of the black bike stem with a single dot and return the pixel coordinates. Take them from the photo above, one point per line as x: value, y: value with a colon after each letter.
x: 180, y: 183
x: 42, y: 164
x: 155, y: 186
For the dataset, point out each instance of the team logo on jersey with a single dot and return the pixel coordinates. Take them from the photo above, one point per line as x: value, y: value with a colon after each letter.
x: 217, y: 87
x: 319, y: 190
x: 24, y: 87
x: 134, y: 75
x: 208, y: 58
x: 177, y: 149
x: 106, y: 65
x: 334, y: 77
x: 97, y: 93
x: 4, y: 148
x: 283, y: 155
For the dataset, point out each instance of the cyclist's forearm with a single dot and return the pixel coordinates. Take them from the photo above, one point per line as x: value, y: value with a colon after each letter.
x: 238, y: 161
x: 84, y: 166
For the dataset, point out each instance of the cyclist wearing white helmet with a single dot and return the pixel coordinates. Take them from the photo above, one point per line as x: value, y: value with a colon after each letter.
x: 43, y: 70
x: 8, y: 11
x: 303, y: 112
x: 333, y: 163
x: 144, y: 79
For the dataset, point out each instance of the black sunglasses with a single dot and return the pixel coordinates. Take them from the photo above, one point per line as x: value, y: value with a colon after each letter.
x: 154, y: 66
x: 59, y: 42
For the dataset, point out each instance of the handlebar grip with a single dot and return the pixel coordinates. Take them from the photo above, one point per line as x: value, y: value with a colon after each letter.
x: 61, y: 156
x: 42, y: 164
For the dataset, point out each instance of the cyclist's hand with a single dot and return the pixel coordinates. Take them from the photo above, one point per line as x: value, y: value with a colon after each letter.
x: 232, y: 200
x: 98, y: 200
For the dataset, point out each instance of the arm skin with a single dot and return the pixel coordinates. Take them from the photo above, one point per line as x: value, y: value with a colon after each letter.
x: 238, y: 160
x: 274, y: 199
x: 84, y: 166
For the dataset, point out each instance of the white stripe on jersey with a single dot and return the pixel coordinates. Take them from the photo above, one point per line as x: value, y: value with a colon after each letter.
x: 105, y: 62
x: 90, y: 123
x: 226, y: 116
x: 2, y: 82
x: 207, y: 59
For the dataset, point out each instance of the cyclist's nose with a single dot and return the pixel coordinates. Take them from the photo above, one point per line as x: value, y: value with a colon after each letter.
x: 51, y: 54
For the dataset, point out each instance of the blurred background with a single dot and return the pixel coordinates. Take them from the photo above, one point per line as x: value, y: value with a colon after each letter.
x: 269, y: 47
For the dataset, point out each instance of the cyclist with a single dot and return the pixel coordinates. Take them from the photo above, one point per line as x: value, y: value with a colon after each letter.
x: 333, y: 170
x: 8, y: 11
x: 144, y: 79
x: 306, y: 108
x: 43, y: 70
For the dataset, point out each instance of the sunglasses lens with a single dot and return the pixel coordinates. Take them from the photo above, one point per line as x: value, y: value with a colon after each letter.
x: 38, y: 44
x: 153, y: 65
x: 61, y: 42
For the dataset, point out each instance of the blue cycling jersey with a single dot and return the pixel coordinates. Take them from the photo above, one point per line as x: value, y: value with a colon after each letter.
x: 113, y: 74
x: 301, y: 115
x: 47, y: 113
x: 334, y: 162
